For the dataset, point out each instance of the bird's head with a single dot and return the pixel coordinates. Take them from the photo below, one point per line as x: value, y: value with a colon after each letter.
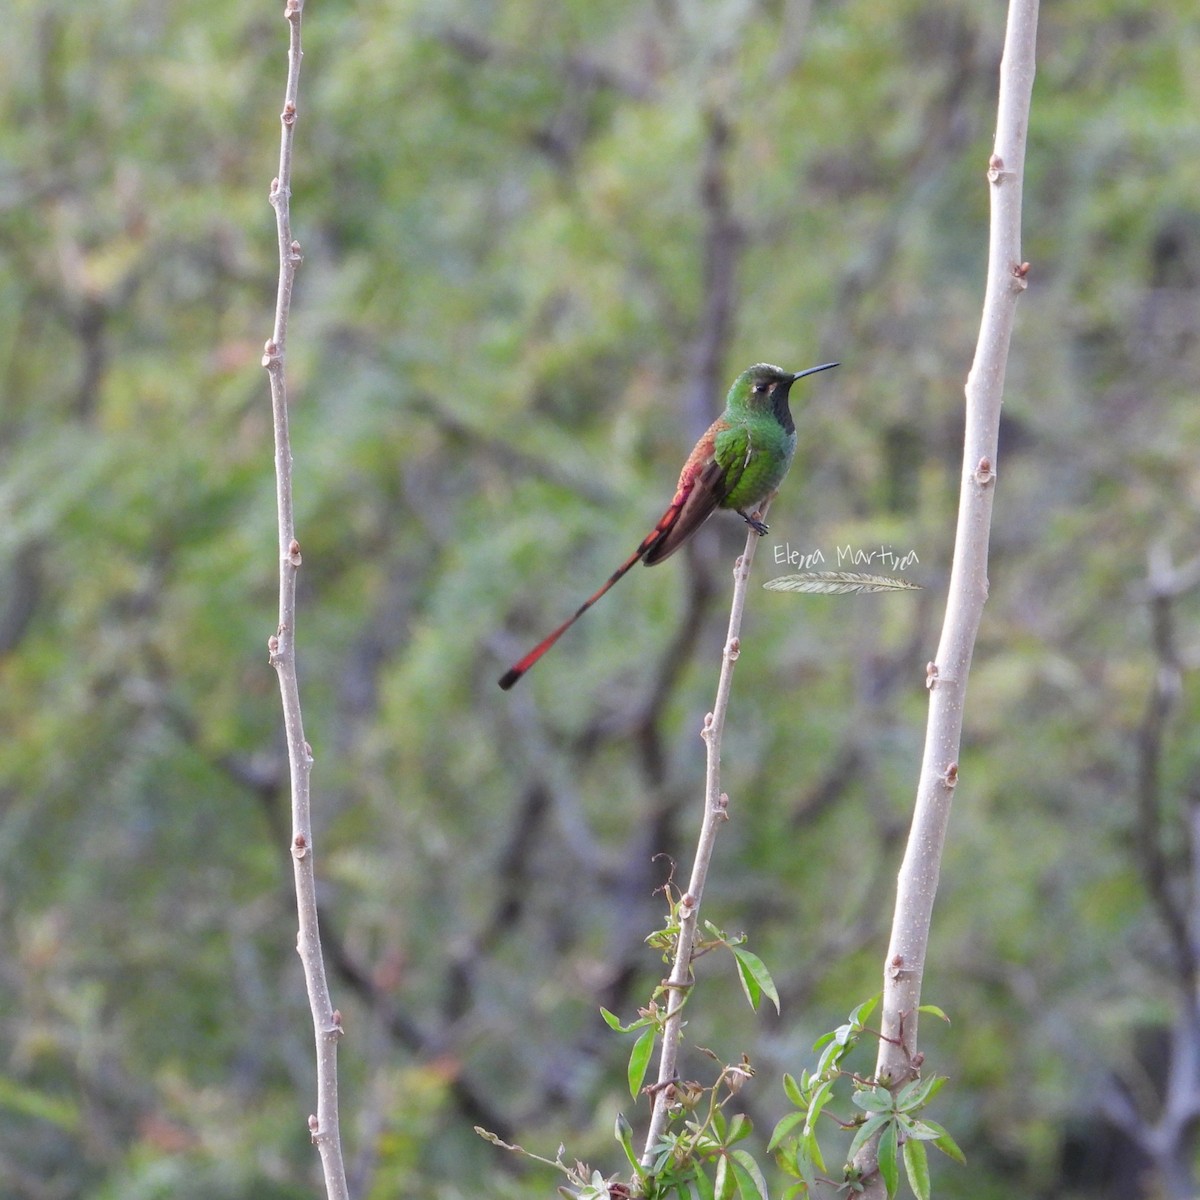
x: 763, y: 386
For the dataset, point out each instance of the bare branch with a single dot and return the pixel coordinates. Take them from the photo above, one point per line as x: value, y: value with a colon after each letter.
x: 715, y: 814
x: 947, y: 674
x: 327, y: 1021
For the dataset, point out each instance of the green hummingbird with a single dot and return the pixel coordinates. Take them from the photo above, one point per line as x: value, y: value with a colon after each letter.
x: 738, y: 463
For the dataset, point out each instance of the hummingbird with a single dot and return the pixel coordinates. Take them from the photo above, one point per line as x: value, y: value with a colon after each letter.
x: 738, y: 464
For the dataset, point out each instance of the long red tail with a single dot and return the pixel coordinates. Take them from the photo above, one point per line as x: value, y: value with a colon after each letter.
x: 651, y: 539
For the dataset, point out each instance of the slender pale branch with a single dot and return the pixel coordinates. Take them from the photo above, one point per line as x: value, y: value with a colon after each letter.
x: 679, y: 982
x: 947, y: 674
x: 327, y: 1022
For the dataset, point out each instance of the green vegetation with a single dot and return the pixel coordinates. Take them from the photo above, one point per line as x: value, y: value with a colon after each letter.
x: 539, y: 242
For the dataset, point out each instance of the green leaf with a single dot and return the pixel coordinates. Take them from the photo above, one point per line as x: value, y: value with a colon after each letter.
x: 749, y: 983
x: 639, y: 1061
x: 829, y: 1057
x: 806, y: 1164
x: 750, y: 1182
x: 785, y: 1126
x: 664, y: 1151
x: 756, y: 979
x: 889, y: 1165
x: 795, y: 1091
x: 820, y: 1098
x: 916, y: 1167
x: 614, y: 1022
x: 867, y: 1130
x: 946, y: 1144
x: 813, y: 1149
x: 917, y: 1094
x: 739, y: 1127
x: 862, y: 1013
x: 724, y: 1183
x: 873, y: 1099
x: 918, y: 1130
x: 933, y: 1011
x: 719, y: 1124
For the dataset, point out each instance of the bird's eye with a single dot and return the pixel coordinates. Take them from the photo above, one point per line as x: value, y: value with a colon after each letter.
x: 760, y: 388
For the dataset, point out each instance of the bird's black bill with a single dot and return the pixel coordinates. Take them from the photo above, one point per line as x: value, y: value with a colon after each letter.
x: 814, y: 370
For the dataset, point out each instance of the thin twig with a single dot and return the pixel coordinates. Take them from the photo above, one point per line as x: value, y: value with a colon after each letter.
x: 1164, y: 1126
x: 715, y: 813
x: 724, y: 241
x: 947, y: 674
x: 327, y: 1022
x: 1149, y: 839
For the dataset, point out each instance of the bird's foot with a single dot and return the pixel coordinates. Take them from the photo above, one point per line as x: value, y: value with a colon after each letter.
x: 752, y: 520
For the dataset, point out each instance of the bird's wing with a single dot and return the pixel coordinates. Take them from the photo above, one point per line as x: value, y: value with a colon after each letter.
x: 694, y: 502
x: 733, y: 450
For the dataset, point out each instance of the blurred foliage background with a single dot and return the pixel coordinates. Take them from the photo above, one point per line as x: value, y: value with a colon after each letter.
x: 540, y: 239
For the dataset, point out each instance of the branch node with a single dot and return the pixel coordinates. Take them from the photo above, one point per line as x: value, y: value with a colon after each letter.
x: 314, y: 1127
x: 996, y: 170
x: 293, y: 555
x: 288, y: 116
x: 270, y: 353
x: 734, y: 649
x: 335, y: 1029
x: 663, y: 1085
x: 299, y: 846
x: 721, y: 808
x: 931, y: 675
x: 950, y: 775
x: 984, y: 473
